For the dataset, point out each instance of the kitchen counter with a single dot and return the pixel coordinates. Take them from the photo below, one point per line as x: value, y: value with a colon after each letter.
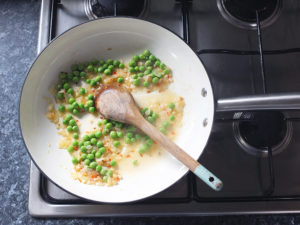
x: 18, y: 40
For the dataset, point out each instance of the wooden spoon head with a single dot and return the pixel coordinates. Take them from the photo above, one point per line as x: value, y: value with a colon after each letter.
x: 116, y: 103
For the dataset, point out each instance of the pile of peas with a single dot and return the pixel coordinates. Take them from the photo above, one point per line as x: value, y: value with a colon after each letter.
x: 144, y: 67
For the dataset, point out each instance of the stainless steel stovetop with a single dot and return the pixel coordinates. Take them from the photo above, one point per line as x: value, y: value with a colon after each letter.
x: 256, y: 179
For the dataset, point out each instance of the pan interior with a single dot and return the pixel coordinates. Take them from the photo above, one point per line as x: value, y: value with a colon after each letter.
x: 116, y: 38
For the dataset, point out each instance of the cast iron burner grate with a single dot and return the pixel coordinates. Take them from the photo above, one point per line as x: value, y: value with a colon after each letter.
x: 242, y: 13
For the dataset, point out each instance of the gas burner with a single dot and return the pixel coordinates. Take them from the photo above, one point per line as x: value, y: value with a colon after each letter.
x: 259, y: 130
x: 242, y: 13
x: 100, y: 8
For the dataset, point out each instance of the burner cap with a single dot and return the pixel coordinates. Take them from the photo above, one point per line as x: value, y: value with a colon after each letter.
x: 242, y: 13
x: 100, y: 8
x: 261, y: 130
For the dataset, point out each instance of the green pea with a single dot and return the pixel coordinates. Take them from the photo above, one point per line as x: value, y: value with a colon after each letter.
x: 155, y: 115
x: 93, y: 83
x: 152, y: 58
x: 134, y: 162
x: 88, y: 81
x: 171, y: 105
x: 82, y: 91
x: 156, y: 64
x: 66, y: 86
x: 105, y: 65
x: 75, y: 160
x: 94, y: 151
x: 121, y: 66
x: 61, y: 108
x: 102, y: 150
x: 92, y: 135
x: 94, y: 141
x: 150, y: 119
x: 90, y: 97
x: 116, y: 144
x: 113, y: 163
x: 105, y: 178
x: 70, y: 91
x: 172, y: 117
x: 87, y: 143
x: 90, y: 103
x: 147, y: 72
x: 99, y: 123
x: 92, y: 109
x: 103, y: 171
x: 136, y: 68
x: 99, y: 144
x: 75, y: 105
x: 71, y: 100
x: 113, y: 134
x: 68, y: 117
x: 107, y: 71
x: 149, y: 142
x: 72, y: 122
x: 83, y: 149
x: 65, y: 122
x: 131, y: 69
x: 132, y: 63
x: 86, y: 137
x: 101, y: 69
x: 144, y: 148
x: 75, y: 112
x: 105, y: 131
x: 148, y: 63
x: 90, y: 156
x: 80, y: 143
x: 116, y: 62
x: 142, y: 68
x: 81, y: 105
x: 60, y: 95
x: 135, y: 58
x: 98, y: 134
x: 136, y: 82
x: 132, y: 140
x: 110, y: 173
x: 75, y: 143
x: 83, y: 156
x: 108, y: 126
x: 75, y: 128
x: 93, y: 165
x: 101, y: 62
x: 75, y: 136
x: 98, y: 168
x: 70, y: 149
x: 109, y: 61
x: 98, y: 155
x: 69, y: 128
x: 147, y: 52
x: 163, y: 130
x: 105, y: 121
x: 127, y: 140
x: 82, y: 74
x: 87, y: 162
x: 120, y: 80
x: 90, y: 68
x: 166, y: 72
x: 98, y: 78
x: 129, y: 135
x: 120, y: 134
x: 138, y: 137
x: 155, y: 80
x: 159, y: 75
x: 111, y: 67
x: 135, y: 76
x: 75, y: 80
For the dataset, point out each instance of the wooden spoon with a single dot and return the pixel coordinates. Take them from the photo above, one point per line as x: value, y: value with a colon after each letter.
x: 117, y: 103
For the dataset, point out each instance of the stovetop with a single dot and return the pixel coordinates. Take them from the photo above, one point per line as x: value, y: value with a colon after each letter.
x: 237, y: 60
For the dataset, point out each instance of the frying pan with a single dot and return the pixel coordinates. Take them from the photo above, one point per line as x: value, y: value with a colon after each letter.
x: 120, y: 38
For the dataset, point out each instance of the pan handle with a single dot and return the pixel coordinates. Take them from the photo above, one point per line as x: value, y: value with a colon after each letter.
x: 290, y: 101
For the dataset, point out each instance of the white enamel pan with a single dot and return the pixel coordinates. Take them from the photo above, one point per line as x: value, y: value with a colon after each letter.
x: 118, y: 38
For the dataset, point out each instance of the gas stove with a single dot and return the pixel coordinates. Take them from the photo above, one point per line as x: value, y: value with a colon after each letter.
x: 248, y: 48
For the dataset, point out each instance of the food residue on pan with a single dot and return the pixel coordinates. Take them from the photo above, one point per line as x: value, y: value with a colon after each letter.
x: 101, y: 149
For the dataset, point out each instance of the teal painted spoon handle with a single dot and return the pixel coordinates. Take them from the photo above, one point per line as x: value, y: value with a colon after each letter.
x: 204, y: 174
